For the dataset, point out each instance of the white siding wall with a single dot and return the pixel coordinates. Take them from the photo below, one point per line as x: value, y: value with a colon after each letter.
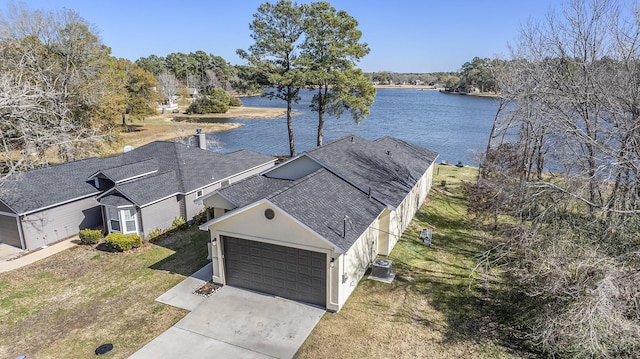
x: 353, y: 265
x: 58, y: 223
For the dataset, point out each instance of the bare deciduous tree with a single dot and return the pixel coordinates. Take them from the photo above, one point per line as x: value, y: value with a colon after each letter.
x: 50, y: 87
x: 570, y: 129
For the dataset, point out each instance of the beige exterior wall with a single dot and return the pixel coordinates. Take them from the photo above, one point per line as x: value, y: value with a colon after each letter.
x: 400, y: 218
x: 343, y: 274
x: 281, y: 230
x: 57, y: 223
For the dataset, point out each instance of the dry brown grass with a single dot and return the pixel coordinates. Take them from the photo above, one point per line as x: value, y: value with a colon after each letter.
x: 67, y: 305
x: 429, y: 311
x: 168, y: 127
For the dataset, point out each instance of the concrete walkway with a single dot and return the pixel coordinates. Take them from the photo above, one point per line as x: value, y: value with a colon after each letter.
x: 232, y: 323
x: 13, y: 258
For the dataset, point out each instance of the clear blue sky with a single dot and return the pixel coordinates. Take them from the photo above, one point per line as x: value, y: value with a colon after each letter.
x: 404, y: 35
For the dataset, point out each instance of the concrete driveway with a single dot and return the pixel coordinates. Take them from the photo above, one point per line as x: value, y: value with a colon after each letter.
x: 237, y: 323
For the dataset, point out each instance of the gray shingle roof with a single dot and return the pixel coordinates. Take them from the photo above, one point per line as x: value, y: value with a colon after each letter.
x: 320, y: 200
x: 192, y: 167
x: 388, y: 166
x: 148, y: 189
x: 44, y: 187
x: 115, y: 199
x: 323, y: 200
x: 253, y: 189
x: 130, y: 171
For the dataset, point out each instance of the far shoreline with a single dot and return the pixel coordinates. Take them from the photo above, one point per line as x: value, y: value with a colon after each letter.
x: 172, y: 127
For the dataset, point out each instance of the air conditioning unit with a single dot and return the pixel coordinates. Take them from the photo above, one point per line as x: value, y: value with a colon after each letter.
x: 381, y: 268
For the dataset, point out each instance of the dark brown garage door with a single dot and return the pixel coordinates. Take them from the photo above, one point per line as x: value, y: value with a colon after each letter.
x: 283, y: 271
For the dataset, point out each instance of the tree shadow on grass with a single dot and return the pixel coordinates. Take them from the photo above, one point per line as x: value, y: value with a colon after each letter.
x: 477, y: 311
x: 472, y: 313
x: 189, y: 248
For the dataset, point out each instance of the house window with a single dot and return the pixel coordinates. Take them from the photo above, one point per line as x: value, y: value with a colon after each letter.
x: 129, y: 218
x: 114, y: 220
x: 199, y: 194
x: 123, y: 220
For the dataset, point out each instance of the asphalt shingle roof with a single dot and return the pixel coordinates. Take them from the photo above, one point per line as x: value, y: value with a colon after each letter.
x: 320, y: 200
x: 192, y: 168
x: 132, y: 170
x: 351, y: 166
x: 388, y: 166
x: 323, y: 202
x: 149, y: 189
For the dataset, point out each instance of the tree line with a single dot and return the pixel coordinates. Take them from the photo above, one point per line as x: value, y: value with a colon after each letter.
x: 61, y: 91
x: 475, y: 75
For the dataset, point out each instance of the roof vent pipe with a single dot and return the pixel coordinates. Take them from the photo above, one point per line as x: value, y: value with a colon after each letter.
x: 344, y: 226
x: 369, y: 192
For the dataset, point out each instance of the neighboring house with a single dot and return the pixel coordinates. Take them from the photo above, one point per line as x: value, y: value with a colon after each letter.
x: 193, y: 93
x: 308, y: 228
x: 134, y: 192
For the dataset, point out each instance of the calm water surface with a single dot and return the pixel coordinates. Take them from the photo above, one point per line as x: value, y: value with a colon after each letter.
x: 454, y: 126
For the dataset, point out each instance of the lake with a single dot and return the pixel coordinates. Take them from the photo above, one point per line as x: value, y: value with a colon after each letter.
x: 452, y: 125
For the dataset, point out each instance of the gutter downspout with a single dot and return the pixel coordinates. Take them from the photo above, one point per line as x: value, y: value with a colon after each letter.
x: 20, y: 232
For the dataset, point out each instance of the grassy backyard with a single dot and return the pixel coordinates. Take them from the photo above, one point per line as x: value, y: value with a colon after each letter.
x: 429, y: 311
x: 67, y: 305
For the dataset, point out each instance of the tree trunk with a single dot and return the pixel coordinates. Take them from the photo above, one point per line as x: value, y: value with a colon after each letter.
x: 320, y: 115
x: 292, y: 149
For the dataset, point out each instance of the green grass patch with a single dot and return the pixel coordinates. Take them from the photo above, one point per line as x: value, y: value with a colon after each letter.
x: 430, y: 310
x: 68, y: 304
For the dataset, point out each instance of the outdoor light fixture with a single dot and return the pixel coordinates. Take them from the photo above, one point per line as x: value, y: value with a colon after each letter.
x: 331, y: 263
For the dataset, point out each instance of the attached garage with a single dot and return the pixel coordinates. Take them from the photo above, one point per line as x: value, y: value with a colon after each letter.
x: 287, y: 272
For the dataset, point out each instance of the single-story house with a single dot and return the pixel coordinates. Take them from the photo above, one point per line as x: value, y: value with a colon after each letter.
x: 308, y: 228
x: 138, y: 191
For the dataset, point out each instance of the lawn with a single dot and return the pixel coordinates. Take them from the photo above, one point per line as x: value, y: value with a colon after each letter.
x: 430, y: 310
x: 67, y: 305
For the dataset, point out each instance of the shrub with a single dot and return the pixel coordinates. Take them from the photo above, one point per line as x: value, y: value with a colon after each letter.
x: 216, y: 101
x: 178, y: 223
x: 235, y: 102
x: 201, y: 217
x: 154, y: 234
x: 90, y: 236
x: 123, y: 242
